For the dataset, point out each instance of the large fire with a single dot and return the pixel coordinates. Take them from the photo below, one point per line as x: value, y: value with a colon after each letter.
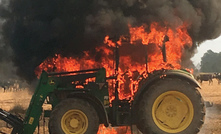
x: 132, y: 64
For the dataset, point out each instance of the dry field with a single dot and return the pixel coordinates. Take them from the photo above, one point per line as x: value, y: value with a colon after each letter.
x: 20, y: 100
x: 212, y: 93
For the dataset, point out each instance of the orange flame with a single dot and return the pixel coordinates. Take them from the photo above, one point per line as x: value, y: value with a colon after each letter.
x: 178, y: 39
x: 174, y: 47
x: 111, y: 130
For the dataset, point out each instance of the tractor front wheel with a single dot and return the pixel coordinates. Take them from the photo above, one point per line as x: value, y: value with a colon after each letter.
x: 73, y: 116
x: 171, y: 106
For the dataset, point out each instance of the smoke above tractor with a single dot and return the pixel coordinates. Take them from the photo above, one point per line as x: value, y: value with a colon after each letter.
x: 43, y: 32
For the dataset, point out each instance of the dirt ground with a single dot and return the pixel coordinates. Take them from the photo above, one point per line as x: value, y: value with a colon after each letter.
x: 19, y: 100
x: 212, y: 93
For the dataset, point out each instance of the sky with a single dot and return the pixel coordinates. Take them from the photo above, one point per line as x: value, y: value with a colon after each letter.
x: 214, y: 45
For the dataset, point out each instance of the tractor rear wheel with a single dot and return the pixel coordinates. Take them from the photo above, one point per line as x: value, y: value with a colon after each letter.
x: 171, y: 106
x: 73, y: 116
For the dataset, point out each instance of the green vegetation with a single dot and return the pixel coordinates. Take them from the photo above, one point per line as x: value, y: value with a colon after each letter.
x: 211, y: 62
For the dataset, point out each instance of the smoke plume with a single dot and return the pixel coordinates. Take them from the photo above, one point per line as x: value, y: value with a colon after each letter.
x: 37, y: 29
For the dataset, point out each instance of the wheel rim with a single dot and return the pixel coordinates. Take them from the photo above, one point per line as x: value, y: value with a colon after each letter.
x: 172, y: 111
x: 74, y: 122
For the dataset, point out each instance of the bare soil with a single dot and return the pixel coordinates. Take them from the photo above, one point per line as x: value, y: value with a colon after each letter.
x: 19, y: 101
x: 212, y: 93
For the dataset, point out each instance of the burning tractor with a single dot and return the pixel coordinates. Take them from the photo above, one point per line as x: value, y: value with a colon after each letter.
x: 167, y: 101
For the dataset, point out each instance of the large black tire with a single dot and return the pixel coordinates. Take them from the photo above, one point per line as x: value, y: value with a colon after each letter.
x: 73, y: 116
x: 171, y: 106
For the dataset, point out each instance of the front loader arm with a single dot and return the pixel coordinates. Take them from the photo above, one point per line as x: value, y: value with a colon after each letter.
x: 34, y: 110
x: 47, y: 83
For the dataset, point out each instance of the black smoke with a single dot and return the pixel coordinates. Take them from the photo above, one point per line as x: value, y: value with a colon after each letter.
x: 37, y: 29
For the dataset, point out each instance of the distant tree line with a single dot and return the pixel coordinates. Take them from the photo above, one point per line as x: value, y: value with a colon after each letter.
x: 211, y: 62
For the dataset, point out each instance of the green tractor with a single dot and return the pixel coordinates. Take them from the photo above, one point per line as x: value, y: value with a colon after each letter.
x: 167, y: 101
